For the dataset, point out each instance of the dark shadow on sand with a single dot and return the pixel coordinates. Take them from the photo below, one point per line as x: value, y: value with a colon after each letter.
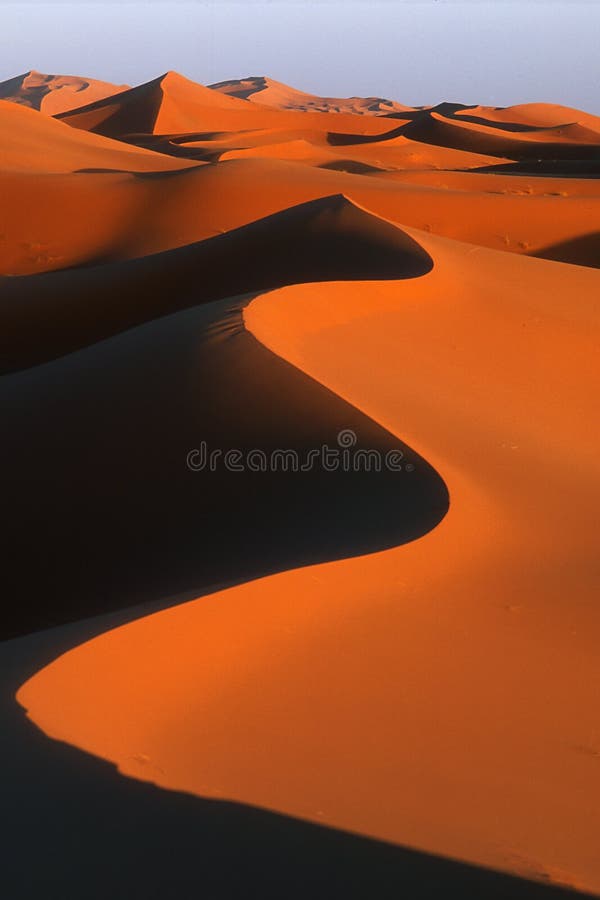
x: 104, y: 511
x: 74, y: 829
x: 545, y: 168
x: 48, y: 315
x: 580, y: 251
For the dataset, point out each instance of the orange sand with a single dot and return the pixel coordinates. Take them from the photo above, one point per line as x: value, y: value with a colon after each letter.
x: 53, y: 94
x: 442, y: 694
x: 173, y: 104
x: 269, y: 92
x: 31, y: 142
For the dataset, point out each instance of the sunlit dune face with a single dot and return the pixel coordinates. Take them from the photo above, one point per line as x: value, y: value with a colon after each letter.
x: 54, y: 94
x: 261, y: 263
x: 268, y: 92
x: 424, y: 168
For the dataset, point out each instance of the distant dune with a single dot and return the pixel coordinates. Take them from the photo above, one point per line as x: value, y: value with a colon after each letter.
x: 269, y: 92
x: 540, y: 115
x: 258, y: 676
x: 53, y: 94
x: 173, y: 104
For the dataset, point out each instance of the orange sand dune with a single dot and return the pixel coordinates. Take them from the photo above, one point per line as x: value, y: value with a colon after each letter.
x: 391, y: 154
x: 520, y: 222
x: 440, y: 695
x: 212, y: 146
x: 53, y: 94
x: 575, y: 142
x: 255, y: 137
x: 47, y: 315
x: 295, y: 149
x: 538, y: 115
x: 408, y: 656
x: 267, y: 91
x: 572, y: 133
x: 51, y: 222
x: 32, y: 142
x: 499, y: 182
x: 173, y: 104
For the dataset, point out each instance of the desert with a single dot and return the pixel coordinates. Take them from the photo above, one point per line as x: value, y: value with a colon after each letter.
x: 343, y: 679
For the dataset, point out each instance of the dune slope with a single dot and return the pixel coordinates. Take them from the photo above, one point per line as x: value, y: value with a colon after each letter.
x: 172, y: 104
x: 269, y: 92
x: 88, y: 218
x: 47, y: 315
x: 54, y: 94
x: 32, y: 142
x: 397, y: 660
x: 483, y: 728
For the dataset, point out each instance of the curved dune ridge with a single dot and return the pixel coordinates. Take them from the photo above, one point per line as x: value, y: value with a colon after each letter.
x: 407, y: 654
x: 47, y: 315
x: 60, y: 221
x: 499, y: 769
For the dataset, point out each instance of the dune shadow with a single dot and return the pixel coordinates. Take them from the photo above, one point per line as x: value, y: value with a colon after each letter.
x: 75, y: 829
x: 105, y: 511
x: 329, y: 239
x: 342, y: 139
x: 107, y: 519
x: 140, y: 176
x: 503, y: 140
x: 450, y: 133
x: 544, y: 168
x: 353, y: 166
x: 514, y: 127
x: 580, y: 251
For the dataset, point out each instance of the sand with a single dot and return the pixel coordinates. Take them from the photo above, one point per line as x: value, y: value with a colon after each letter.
x: 268, y: 92
x: 53, y: 94
x: 406, y: 656
x: 172, y: 104
x: 35, y: 143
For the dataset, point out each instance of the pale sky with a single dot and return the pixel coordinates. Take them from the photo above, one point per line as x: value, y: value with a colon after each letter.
x: 472, y: 51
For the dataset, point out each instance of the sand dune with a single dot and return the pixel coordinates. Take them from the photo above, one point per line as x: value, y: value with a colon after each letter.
x: 53, y: 94
x: 267, y: 91
x: 478, y: 138
x: 537, y: 115
x: 500, y: 769
x: 408, y: 656
x: 168, y: 104
x: 44, y: 316
x: 172, y: 104
x: 32, y: 142
x: 386, y: 154
x: 93, y: 217
x: 162, y: 536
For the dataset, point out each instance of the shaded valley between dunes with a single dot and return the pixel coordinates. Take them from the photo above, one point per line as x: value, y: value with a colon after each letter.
x: 118, y: 420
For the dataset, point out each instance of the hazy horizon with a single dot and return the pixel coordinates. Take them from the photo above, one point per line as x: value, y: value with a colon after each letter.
x: 415, y: 51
